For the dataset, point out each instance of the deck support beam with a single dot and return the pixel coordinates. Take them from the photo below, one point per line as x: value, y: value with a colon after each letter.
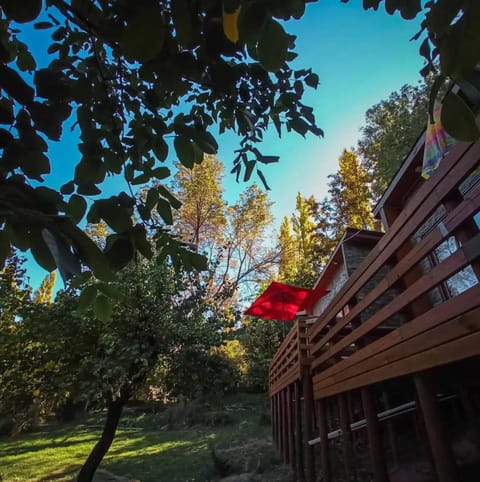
x: 323, y: 432
x: 299, y: 444
x: 441, y: 450
x: 290, y: 427
x: 308, y: 416
x: 346, y: 436
x: 285, y: 445
x: 380, y: 473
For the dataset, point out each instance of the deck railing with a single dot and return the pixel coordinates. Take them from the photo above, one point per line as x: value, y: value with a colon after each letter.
x: 413, y: 304
x: 355, y: 351
x: 292, y: 355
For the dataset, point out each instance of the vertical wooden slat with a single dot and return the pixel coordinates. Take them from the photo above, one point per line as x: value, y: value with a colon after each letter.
x: 290, y: 425
x: 323, y: 432
x: 298, y: 432
x: 391, y: 433
x: 380, y: 473
x: 308, y: 416
x: 285, y: 447
x: 280, y: 422
x: 272, y: 417
x: 441, y: 449
x: 275, y: 402
x: 346, y: 436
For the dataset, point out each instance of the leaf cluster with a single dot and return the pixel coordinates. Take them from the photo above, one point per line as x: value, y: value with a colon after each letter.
x: 139, y: 84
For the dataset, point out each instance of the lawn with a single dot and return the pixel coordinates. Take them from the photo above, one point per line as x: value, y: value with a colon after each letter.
x: 144, y: 449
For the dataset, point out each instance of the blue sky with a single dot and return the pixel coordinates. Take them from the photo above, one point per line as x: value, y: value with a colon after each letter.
x: 361, y: 57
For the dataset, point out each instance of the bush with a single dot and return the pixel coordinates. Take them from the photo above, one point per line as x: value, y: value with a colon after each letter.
x: 201, y: 375
x: 190, y: 413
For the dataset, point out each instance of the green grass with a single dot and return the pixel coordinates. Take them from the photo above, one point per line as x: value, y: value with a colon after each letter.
x: 143, y: 449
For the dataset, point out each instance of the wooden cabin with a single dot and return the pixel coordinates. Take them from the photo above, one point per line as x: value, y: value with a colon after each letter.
x: 379, y: 381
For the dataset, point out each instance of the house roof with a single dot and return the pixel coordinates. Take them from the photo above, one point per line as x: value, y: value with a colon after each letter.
x: 405, y: 181
x: 350, y: 236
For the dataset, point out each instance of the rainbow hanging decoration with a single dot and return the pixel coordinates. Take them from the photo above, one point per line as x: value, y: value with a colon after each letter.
x: 437, y: 143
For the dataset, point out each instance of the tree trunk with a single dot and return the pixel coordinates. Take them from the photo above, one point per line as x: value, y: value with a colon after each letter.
x: 101, y: 447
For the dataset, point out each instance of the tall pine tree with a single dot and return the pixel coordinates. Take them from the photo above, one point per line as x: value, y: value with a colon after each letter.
x: 44, y: 294
x: 349, y: 204
x: 288, y: 253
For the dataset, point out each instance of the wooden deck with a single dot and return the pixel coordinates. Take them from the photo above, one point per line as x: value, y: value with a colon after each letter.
x: 292, y: 355
x: 339, y: 354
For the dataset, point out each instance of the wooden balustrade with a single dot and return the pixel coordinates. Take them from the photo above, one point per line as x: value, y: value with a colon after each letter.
x: 292, y: 355
x: 392, y: 326
x: 444, y: 333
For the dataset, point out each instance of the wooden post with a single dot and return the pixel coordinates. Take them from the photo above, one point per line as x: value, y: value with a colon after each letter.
x: 272, y: 416
x: 308, y: 415
x: 323, y: 432
x: 281, y: 425
x: 441, y: 449
x: 346, y: 436
x: 298, y: 433
x: 277, y: 421
x: 286, y: 455
x: 391, y: 433
x: 290, y: 427
x: 380, y: 473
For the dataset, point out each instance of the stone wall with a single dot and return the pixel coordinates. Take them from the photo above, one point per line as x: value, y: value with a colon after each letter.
x: 339, y: 279
x: 354, y: 256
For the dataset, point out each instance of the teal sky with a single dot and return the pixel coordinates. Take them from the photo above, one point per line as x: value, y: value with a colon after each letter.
x: 360, y: 57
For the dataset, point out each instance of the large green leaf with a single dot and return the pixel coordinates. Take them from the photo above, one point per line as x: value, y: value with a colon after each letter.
x: 6, y: 111
x: 4, y: 248
x: 49, y: 118
x: 249, y: 165
x: 144, y: 35
x: 182, y: 21
x: 51, y: 85
x: 15, y: 86
x: 87, y: 249
x: 165, y: 211
x: 21, y: 11
x: 251, y: 21
x: 151, y: 198
x: 41, y: 253
x: 87, y: 297
x: 110, y: 290
x: 192, y: 260
x: 76, y: 208
x: 115, y: 215
x: 119, y: 251
x: 142, y: 243
x: 442, y: 14
x: 272, y: 47
x: 174, y: 202
x: 185, y: 151
x: 25, y: 61
x: 5, y: 138
x: 81, y: 279
x: 161, y: 172
x: 103, y: 308
x: 205, y: 141
x: 458, y: 119
x: 34, y: 164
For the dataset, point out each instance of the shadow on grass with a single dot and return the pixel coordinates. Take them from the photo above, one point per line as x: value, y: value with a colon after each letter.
x: 47, y: 445
x: 65, y: 473
x: 178, y: 461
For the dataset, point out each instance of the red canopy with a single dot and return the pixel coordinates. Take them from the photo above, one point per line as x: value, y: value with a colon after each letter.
x: 281, y: 302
